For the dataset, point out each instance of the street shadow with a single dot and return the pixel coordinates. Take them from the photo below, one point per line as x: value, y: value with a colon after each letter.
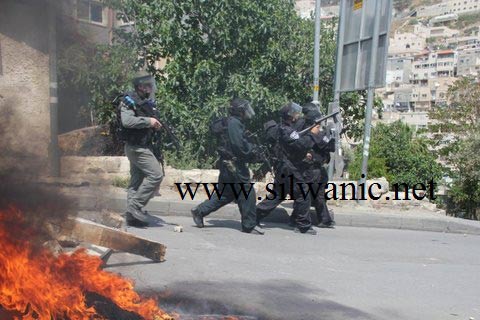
x: 220, y: 223
x: 266, y: 300
x: 156, y: 222
x: 278, y: 215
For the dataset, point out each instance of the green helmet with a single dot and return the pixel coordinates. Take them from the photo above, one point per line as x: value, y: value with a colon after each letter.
x: 144, y: 84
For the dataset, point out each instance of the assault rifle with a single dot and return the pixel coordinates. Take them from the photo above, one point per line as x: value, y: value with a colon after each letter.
x: 171, y: 134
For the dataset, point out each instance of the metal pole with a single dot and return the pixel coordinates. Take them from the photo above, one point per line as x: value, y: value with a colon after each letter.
x: 54, y: 153
x: 370, y: 93
x: 316, y: 53
x: 336, y: 90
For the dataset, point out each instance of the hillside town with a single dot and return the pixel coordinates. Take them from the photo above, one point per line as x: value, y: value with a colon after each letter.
x: 431, y: 46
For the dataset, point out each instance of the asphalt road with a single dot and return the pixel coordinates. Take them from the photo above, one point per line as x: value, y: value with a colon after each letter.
x: 345, y: 273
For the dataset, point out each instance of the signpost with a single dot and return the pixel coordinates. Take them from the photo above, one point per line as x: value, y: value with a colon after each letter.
x: 362, y: 47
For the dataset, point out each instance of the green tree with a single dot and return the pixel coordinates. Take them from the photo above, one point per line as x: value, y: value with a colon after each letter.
x: 455, y: 133
x: 398, y: 155
x: 353, y: 105
x: 214, y: 50
x: 103, y: 70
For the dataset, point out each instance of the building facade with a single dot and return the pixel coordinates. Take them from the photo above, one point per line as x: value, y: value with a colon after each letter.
x: 469, y: 62
x: 25, y: 82
x: 448, y: 7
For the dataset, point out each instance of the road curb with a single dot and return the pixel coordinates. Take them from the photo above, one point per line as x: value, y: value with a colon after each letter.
x: 169, y: 207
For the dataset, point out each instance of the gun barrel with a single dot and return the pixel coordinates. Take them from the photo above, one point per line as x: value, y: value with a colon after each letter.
x: 318, y: 121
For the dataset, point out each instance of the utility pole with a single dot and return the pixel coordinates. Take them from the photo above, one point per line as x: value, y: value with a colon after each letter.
x: 316, y: 52
x: 370, y: 94
x: 335, y: 106
x: 54, y: 152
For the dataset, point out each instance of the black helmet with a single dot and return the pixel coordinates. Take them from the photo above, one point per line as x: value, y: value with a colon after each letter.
x: 289, y: 110
x: 241, y: 107
x: 311, y: 113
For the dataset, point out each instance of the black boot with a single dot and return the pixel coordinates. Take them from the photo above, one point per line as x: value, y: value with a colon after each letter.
x: 133, y: 222
x: 310, y: 230
x: 256, y: 230
x: 197, y: 217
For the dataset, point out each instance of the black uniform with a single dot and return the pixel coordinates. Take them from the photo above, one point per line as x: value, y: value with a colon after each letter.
x: 321, y: 155
x: 237, y: 151
x: 291, y: 165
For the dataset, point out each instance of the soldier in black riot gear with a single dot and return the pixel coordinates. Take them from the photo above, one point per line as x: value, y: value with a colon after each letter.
x: 235, y: 151
x: 139, y: 122
x: 290, y: 165
x: 320, y: 156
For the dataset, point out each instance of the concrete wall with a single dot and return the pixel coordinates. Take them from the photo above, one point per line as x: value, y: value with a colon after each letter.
x: 24, y: 79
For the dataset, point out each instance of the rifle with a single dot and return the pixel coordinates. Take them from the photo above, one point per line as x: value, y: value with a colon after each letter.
x: 318, y: 121
x: 168, y: 130
x: 170, y: 133
x: 260, y: 153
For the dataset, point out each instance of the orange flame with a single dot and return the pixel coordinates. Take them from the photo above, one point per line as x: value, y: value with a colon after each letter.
x: 42, y: 286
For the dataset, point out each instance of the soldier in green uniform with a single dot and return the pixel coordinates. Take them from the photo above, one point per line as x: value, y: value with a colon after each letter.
x: 235, y: 152
x: 138, y: 111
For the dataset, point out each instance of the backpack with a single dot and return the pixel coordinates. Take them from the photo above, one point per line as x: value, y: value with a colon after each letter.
x: 117, y: 130
x: 219, y: 129
x: 219, y: 126
x: 271, y: 129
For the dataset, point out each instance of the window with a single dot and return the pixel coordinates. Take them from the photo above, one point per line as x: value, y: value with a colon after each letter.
x: 90, y: 11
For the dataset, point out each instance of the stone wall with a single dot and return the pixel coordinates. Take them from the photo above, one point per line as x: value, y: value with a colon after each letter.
x: 104, y: 170
x: 24, y: 80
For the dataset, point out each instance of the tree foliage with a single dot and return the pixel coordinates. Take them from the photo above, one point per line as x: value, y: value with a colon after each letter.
x: 398, y: 155
x: 215, y: 50
x: 455, y: 136
x: 103, y: 70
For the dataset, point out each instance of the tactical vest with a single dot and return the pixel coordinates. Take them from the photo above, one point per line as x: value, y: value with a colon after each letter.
x: 141, y: 137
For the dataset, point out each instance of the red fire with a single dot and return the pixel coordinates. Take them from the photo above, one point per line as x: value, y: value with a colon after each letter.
x: 39, y: 285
